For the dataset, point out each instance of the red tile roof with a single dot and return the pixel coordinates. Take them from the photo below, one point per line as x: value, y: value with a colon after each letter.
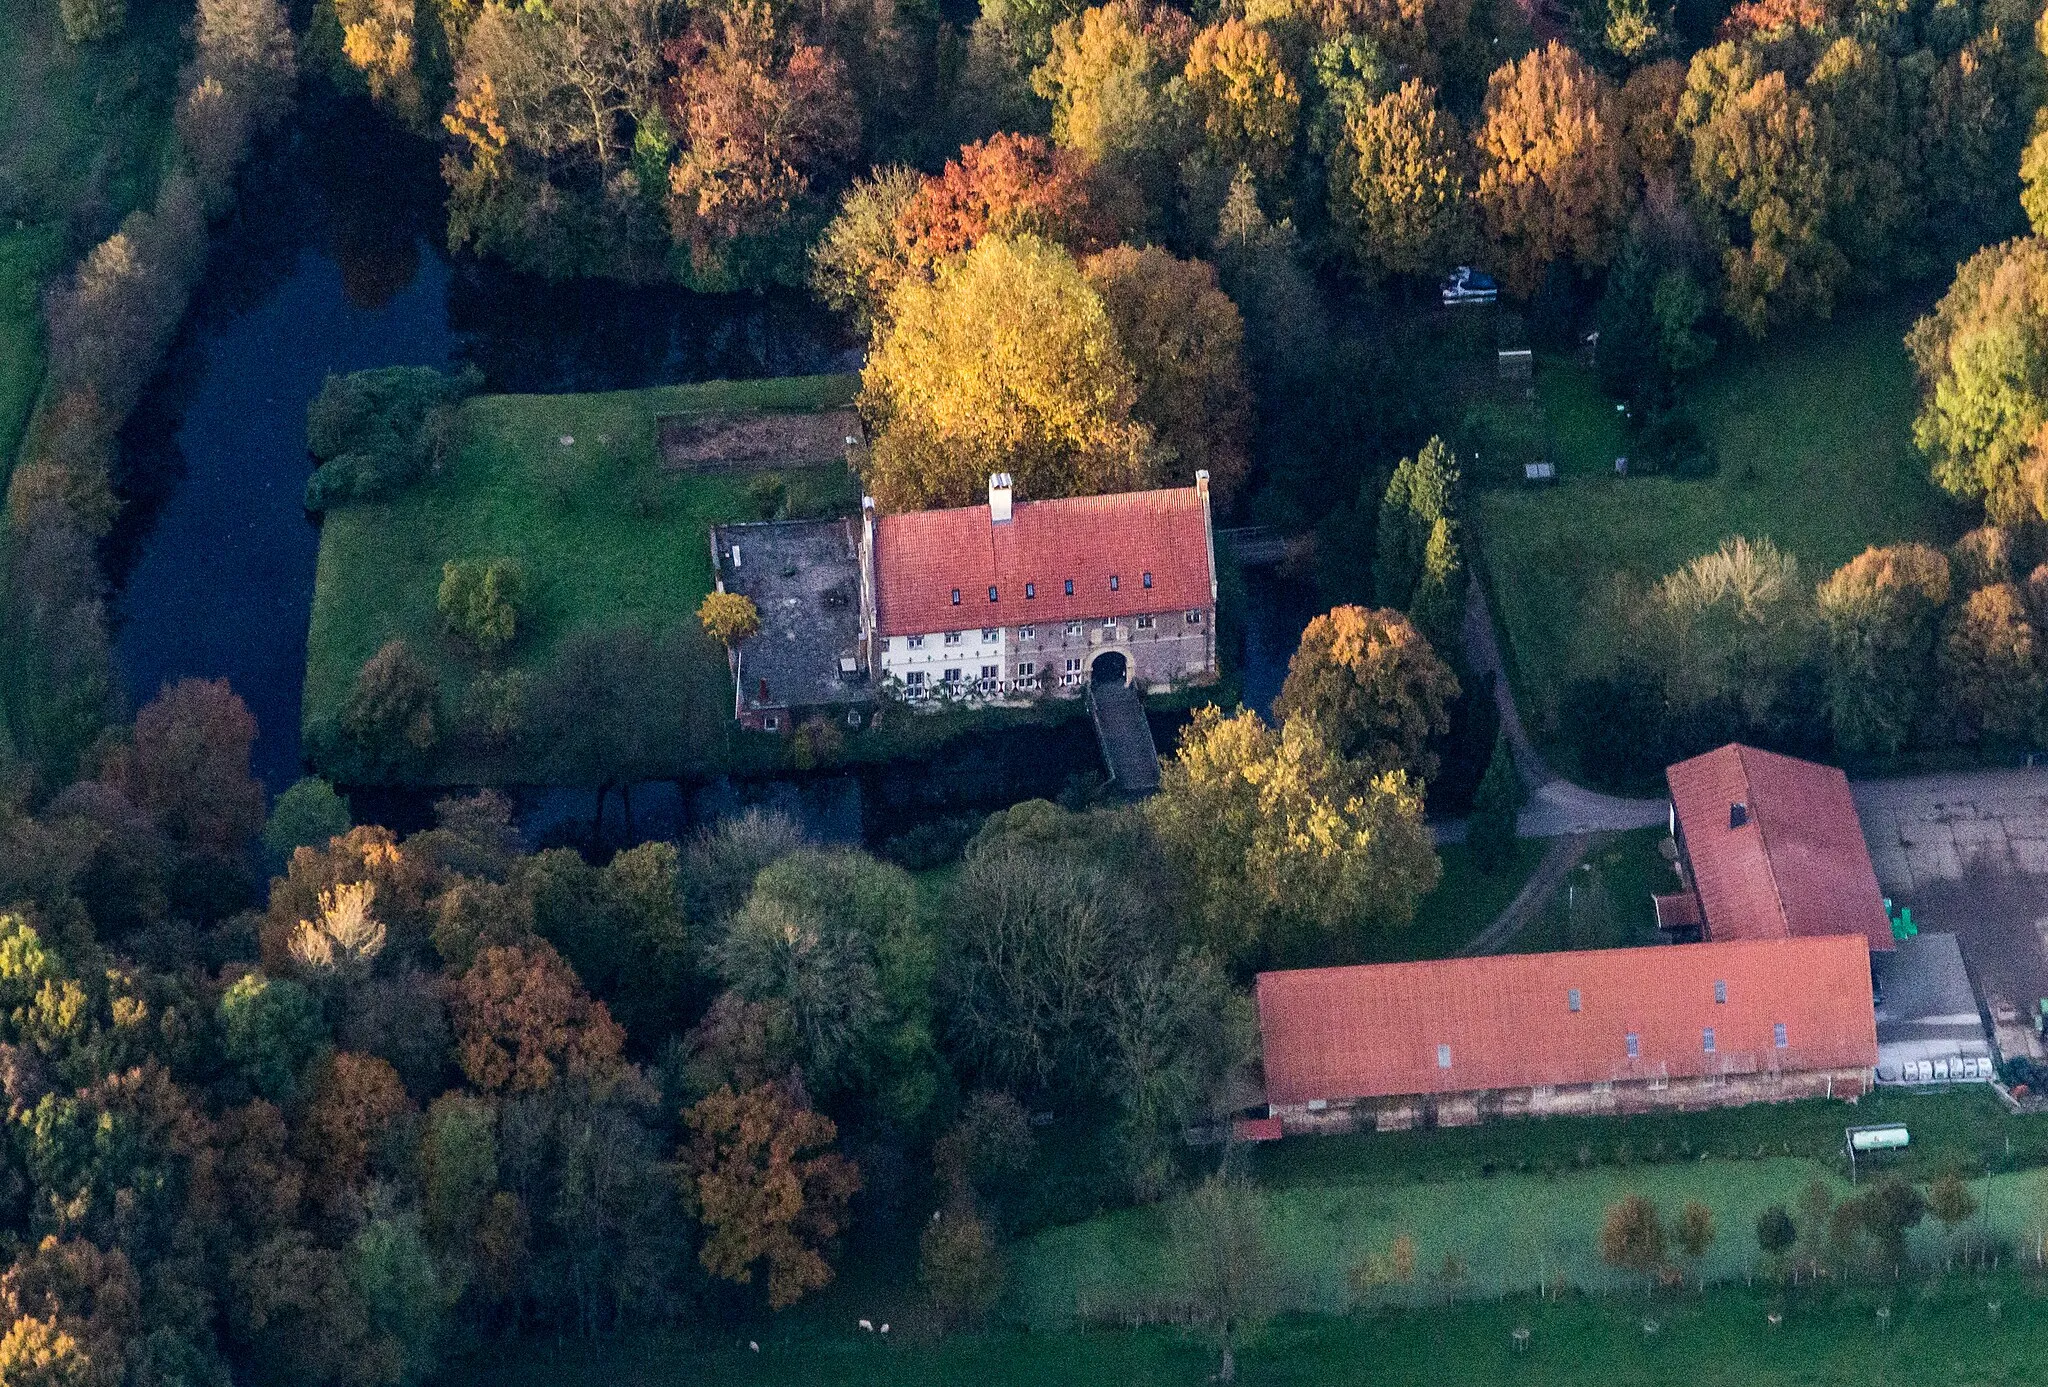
x: 1797, y: 866
x: 922, y: 557
x: 1506, y: 1021
x: 1678, y: 910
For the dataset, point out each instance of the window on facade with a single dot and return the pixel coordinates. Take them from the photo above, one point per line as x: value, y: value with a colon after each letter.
x: 1778, y: 1035
x: 1195, y: 616
x: 1073, y: 665
x: 990, y: 671
x: 1027, y: 669
x: 915, y: 679
x: 1707, y: 1040
x: 772, y: 723
x: 1025, y: 633
x: 914, y: 642
x: 988, y: 633
x: 1114, y: 582
x: 1070, y: 587
x: 1443, y: 1057
x: 956, y: 597
x: 1720, y: 990
x: 1109, y: 623
x: 1144, y: 623
x: 1571, y: 999
x: 1073, y: 628
x: 952, y: 638
x: 1635, y: 1046
x: 1030, y: 591
x: 952, y: 676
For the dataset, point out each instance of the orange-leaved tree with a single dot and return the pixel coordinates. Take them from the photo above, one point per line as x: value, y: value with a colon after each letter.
x: 524, y: 1023
x: 768, y: 1190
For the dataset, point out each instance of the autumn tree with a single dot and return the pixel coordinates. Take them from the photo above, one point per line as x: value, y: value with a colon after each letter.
x: 1006, y: 185
x: 1374, y: 689
x: 1280, y: 839
x: 960, y: 1265
x: 246, y: 46
x: 1008, y: 362
x: 353, y: 1103
x: 379, y: 39
x: 1993, y: 674
x: 393, y: 714
x: 1184, y: 340
x: 729, y: 618
x: 1878, y: 219
x: 479, y: 603
x: 762, y: 117
x: 1397, y: 183
x: 860, y: 257
x: 1982, y: 357
x: 92, y: 21
x: 1733, y: 625
x: 523, y: 1023
x: 1112, y: 77
x: 1247, y: 101
x: 1880, y: 611
x: 770, y: 1192
x: 1760, y: 160
x: 1551, y: 185
x: 1694, y: 1231
x: 188, y: 767
x: 1632, y: 1236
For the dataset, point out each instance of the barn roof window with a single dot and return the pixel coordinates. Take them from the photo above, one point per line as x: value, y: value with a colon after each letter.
x: 1738, y: 814
x: 1635, y: 1046
x: 1070, y: 587
x: 1720, y: 991
x: 1443, y: 1057
x: 1571, y: 999
x: 1707, y: 1040
x: 991, y: 592
x: 1148, y: 578
x: 956, y: 597
x: 1778, y: 1035
x: 1113, y: 582
x: 1030, y: 591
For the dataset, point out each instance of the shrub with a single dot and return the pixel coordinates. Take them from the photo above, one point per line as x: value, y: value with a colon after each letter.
x: 494, y: 708
x: 393, y: 715
x: 377, y: 432
x: 90, y: 21
x: 305, y: 816
x: 479, y: 602
x: 272, y: 1030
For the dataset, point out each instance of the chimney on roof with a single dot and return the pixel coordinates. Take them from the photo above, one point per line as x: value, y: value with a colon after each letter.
x: 1202, y: 483
x: 999, y: 498
x: 1738, y: 814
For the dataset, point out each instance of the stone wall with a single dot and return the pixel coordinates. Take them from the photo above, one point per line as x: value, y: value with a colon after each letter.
x: 1619, y: 1098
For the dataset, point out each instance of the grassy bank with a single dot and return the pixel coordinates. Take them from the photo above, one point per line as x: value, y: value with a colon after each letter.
x: 1936, y: 1331
x: 1813, y: 434
x: 570, y: 487
x: 1464, y: 903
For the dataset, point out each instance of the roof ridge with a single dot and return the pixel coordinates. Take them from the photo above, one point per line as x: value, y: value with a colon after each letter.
x: 1763, y: 839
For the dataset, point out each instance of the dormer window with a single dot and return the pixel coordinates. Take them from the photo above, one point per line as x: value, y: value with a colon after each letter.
x: 1030, y: 591
x: 1070, y: 587
x: 991, y: 592
x: 1113, y: 582
x: 956, y: 597
x: 1148, y: 579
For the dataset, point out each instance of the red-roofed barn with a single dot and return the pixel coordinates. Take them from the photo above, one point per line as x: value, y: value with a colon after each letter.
x: 1771, y: 848
x: 1454, y: 1041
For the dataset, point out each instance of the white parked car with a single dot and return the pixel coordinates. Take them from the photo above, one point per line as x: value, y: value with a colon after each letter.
x: 1467, y: 285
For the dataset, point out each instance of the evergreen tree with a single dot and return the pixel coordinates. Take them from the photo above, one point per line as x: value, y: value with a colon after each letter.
x: 1422, y: 492
x: 1491, y: 831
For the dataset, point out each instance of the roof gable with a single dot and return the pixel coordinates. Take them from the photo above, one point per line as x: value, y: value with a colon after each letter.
x: 1796, y: 866
x: 1506, y: 1021
x: 923, y: 557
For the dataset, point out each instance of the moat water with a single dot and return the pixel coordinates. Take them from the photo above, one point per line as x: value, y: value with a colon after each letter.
x: 330, y: 264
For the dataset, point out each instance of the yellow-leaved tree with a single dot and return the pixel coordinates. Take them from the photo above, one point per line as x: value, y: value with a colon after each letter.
x: 1290, y: 850
x: 1006, y: 362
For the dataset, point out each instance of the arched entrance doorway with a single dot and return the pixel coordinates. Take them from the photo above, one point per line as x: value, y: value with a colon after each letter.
x: 1110, y: 667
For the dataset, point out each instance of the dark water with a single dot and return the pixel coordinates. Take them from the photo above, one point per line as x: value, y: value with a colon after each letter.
x: 1276, y: 610
x: 330, y: 264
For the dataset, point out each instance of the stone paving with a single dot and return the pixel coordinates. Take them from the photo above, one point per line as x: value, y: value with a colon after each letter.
x: 1924, y: 830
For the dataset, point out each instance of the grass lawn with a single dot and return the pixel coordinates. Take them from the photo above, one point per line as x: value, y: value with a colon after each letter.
x: 1813, y: 436
x: 1605, y: 903
x: 1464, y: 903
x: 1937, y: 1331
x: 606, y: 537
